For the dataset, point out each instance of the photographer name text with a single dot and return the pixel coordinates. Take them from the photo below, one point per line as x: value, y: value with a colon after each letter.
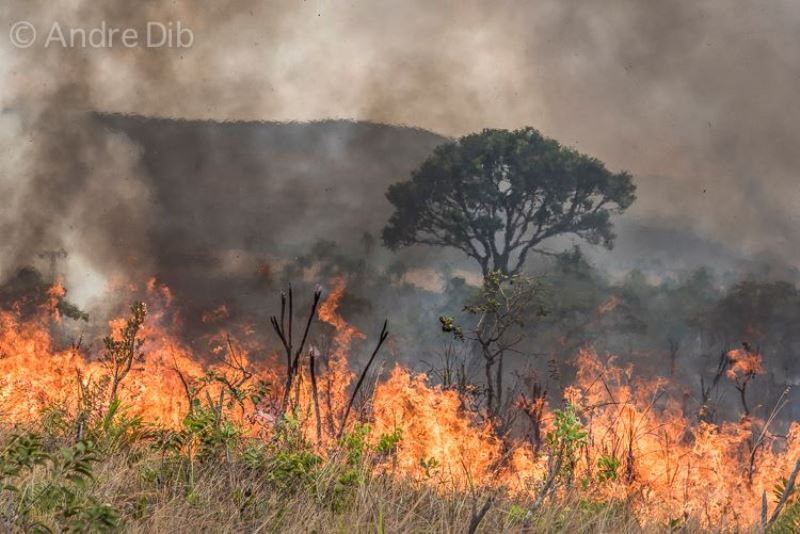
x: 154, y: 34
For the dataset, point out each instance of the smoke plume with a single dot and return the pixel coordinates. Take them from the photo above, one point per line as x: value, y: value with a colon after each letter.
x: 696, y: 100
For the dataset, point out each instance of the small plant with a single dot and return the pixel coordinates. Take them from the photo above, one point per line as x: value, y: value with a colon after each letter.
x: 121, y: 352
x: 430, y: 466
x: 516, y: 514
x: 607, y: 468
x: 789, y: 520
x: 118, y: 429
x: 208, y: 435
x: 253, y: 455
x: 56, y: 422
x: 355, y: 443
x: 503, y: 309
x: 387, y: 443
x: 47, y: 492
x: 567, y: 438
x: 354, y: 473
x: 292, y: 463
x: 288, y: 469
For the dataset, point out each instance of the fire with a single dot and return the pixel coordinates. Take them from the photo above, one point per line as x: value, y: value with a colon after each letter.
x: 329, y: 313
x: 55, y: 292
x: 609, y: 305
x: 439, y: 441
x: 674, y: 467
x: 641, y: 445
x: 33, y: 373
x: 744, y: 363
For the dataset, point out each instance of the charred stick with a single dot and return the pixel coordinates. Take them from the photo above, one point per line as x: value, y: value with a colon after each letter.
x: 279, y: 330
x: 286, y: 338
x: 477, y: 516
x: 317, y: 296
x: 283, y: 309
x: 186, y: 388
x: 722, y: 365
x: 298, y: 383
x: 381, y: 339
x: 787, y: 491
x: 314, y: 395
x: 291, y: 316
x: 288, y: 386
x: 555, y: 469
x: 742, y: 389
x: 329, y: 406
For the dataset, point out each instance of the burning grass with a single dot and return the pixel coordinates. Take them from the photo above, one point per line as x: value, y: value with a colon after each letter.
x: 169, y: 444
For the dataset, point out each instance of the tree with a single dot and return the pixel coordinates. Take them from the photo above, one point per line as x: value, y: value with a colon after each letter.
x: 498, y: 194
x: 503, y: 307
x: 122, y: 351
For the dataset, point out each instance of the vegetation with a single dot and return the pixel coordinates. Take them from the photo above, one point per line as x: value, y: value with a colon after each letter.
x: 497, y: 195
x: 503, y: 307
x: 100, y: 470
x: 279, y: 489
x: 128, y: 478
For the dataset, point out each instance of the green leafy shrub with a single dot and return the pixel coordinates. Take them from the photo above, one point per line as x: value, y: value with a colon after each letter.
x: 607, y: 468
x: 789, y: 520
x: 50, y: 492
x: 355, y: 443
x: 567, y: 438
x: 288, y: 469
x: 387, y: 443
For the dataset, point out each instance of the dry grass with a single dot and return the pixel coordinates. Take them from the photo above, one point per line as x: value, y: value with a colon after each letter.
x: 201, y: 479
x: 152, y: 495
x: 229, y: 500
x: 159, y: 491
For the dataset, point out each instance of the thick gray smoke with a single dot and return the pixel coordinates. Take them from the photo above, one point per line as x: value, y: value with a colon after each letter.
x: 696, y: 100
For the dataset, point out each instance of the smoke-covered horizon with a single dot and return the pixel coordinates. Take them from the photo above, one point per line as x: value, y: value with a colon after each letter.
x: 694, y: 100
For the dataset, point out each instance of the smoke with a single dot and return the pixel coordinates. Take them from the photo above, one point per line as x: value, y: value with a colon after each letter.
x: 696, y: 100
x: 72, y: 184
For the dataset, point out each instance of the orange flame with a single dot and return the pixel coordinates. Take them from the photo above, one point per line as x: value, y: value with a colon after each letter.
x: 641, y: 445
x: 744, y: 363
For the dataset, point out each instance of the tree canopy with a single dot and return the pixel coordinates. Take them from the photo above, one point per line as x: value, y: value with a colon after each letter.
x: 498, y: 194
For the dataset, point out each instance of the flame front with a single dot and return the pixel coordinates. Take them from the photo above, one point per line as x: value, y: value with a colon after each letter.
x: 641, y: 446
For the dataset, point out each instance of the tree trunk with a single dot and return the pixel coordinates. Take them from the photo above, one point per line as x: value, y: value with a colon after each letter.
x: 489, y: 387
x: 500, y: 263
x: 499, y: 382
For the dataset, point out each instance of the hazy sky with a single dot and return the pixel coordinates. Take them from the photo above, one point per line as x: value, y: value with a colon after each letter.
x: 699, y: 100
